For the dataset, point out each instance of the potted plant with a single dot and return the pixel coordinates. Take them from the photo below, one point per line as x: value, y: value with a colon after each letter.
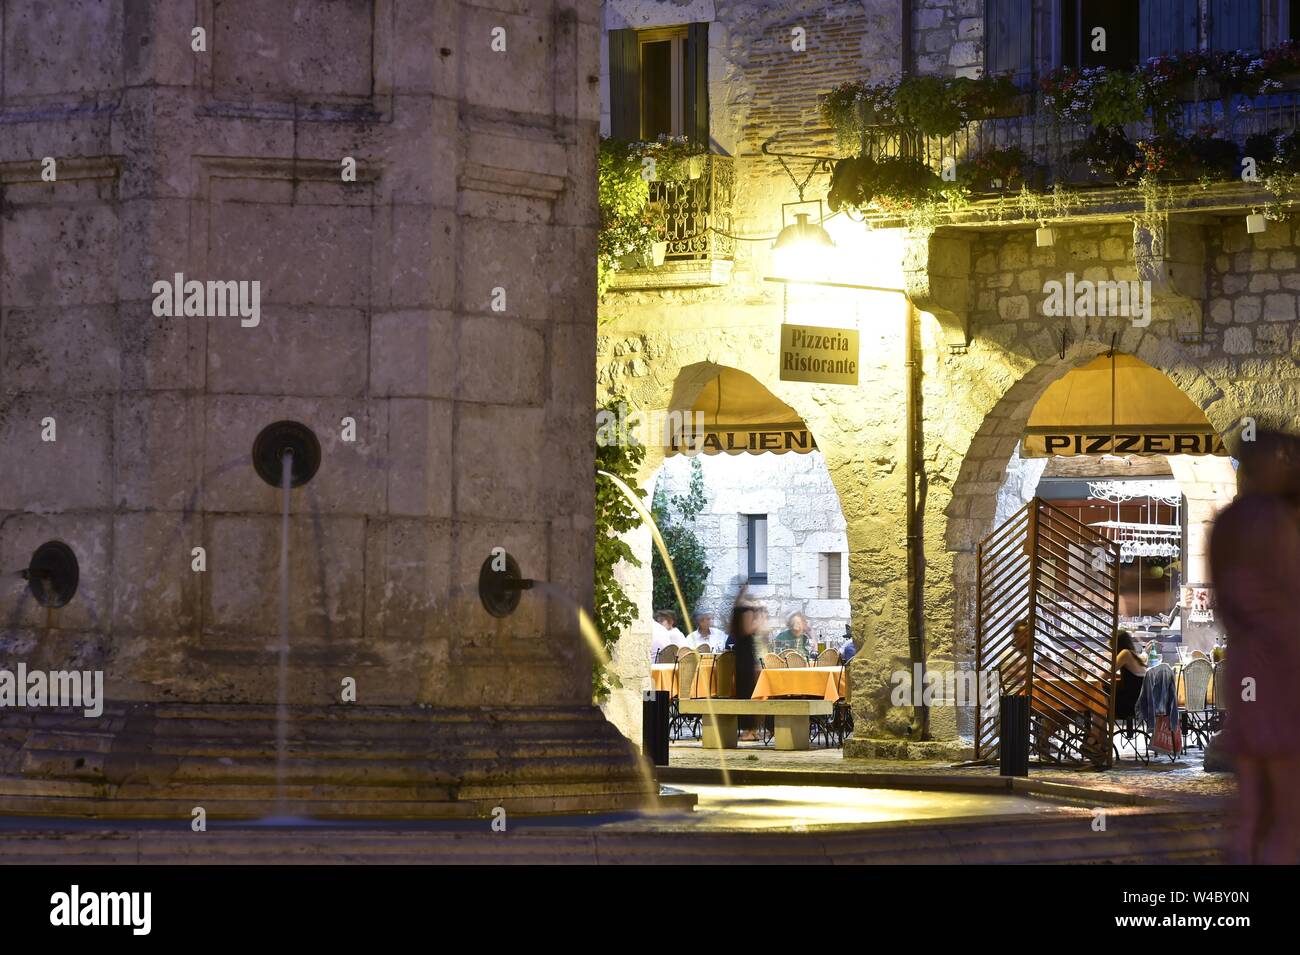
x: 932, y: 105
x: 1282, y: 65
x: 1006, y: 169
x: 997, y: 97
x: 853, y: 108
x: 1107, y: 154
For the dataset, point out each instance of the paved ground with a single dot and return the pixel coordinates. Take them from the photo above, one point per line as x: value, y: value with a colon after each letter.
x: 1185, y: 777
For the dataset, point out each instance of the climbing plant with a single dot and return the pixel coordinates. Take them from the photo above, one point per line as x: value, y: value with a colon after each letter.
x: 613, y: 610
x: 625, y: 219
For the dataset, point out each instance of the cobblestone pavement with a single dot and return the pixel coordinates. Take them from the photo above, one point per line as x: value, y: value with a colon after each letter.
x: 1184, y: 777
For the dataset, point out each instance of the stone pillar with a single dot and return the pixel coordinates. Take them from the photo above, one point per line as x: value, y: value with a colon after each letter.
x: 431, y: 319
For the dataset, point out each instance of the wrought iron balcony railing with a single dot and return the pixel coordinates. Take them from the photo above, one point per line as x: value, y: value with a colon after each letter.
x: 1056, y: 150
x: 694, y: 211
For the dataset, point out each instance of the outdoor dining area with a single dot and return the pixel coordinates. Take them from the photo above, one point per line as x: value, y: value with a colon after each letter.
x: 801, y: 701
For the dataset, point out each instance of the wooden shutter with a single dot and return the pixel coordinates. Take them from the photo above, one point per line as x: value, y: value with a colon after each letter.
x: 695, y: 122
x: 624, y: 85
x: 1235, y: 24
x: 1169, y: 26
x: 1008, y: 24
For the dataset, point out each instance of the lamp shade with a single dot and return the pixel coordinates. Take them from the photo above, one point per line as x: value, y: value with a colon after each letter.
x: 800, y: 250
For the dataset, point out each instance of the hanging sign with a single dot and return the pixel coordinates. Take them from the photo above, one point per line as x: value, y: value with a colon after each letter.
x: 828, y: 356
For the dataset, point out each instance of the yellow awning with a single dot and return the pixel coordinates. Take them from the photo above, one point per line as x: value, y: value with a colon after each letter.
x: 735, y: 414
x: 1118, y: 405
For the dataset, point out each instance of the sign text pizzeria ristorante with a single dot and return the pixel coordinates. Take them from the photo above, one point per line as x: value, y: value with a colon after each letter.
x: 828, y: 356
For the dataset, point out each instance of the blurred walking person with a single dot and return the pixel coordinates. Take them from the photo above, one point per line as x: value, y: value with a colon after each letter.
x: 1255, y: 563
x: 746, y: 623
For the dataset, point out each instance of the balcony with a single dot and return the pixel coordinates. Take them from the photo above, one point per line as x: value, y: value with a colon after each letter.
x: 693, y: 215
x: 1097, y: 177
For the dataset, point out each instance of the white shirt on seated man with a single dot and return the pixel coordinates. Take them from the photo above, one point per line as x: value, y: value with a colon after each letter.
x: 705, y: 632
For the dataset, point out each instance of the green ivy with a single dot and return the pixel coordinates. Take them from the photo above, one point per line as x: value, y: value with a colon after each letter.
x: 613, y: 610
x: 625, y: 219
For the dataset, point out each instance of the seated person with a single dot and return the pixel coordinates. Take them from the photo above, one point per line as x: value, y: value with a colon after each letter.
x: 1131, y: 670
x: 706, y: 632
x: 663, y: 634
x: 795, y: 636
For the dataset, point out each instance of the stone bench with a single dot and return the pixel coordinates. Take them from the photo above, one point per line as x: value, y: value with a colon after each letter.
x: 791, y: 717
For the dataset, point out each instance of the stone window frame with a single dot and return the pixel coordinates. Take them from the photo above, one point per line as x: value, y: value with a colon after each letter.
x: 750, y: 575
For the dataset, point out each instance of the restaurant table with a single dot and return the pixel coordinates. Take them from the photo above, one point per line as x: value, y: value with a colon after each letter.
x: 1057, y: 693
x: 663, y: 676
x: 827, y: 683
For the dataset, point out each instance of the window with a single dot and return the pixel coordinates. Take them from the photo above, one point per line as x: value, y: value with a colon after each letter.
x: 832, y: 576
x: 663, y: 83
x: 659, y: 83
x: 757, y: 547
x: 1102, y: 33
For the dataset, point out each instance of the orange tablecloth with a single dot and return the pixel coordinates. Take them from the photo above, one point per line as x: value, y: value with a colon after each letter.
x: 663, y: 677
x: 1056, y: 693
x: 825, y: 682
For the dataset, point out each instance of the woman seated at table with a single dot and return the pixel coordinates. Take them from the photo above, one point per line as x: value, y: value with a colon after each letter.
x: 1131, y: 671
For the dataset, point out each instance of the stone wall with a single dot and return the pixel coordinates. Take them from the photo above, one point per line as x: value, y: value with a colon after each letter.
x: 804, y: 521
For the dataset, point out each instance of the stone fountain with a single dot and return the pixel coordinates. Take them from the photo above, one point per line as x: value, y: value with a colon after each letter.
x: 412, y: 219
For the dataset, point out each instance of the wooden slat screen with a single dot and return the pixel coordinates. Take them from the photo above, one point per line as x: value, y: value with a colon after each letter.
x: 1046, y: 568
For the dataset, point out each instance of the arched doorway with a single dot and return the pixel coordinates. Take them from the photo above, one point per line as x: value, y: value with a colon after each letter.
x: 770, y: 521
x: 1120, y: 445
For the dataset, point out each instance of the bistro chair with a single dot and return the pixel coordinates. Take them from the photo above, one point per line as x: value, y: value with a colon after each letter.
x: 830, y: 657
x: 793, y: 658
x: 666, y: 655
x: 704, y: 648
x: 723, y: 675
x: 1219, y: 708
x: 773, y: 660
x: 688, y: 664
x: 682, y: 651
x: 1196, y: 678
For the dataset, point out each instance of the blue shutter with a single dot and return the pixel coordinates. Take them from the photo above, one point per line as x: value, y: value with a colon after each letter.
x: 696, y: 120
x: 1009, y: 38
x: 1169, y: 26
x: 624, y: 85
x: 1235, y: 24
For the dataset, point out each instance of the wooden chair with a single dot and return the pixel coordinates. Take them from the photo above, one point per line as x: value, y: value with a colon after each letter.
x: 773, y: 660
x: 793, y: 658
x: 688, y: 664
x: 723, y: 674
x: 830, y: 657
x: 667, y: 655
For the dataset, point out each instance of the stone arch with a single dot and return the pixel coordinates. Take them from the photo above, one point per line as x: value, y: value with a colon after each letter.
x: 676, y: 382
x: 970, y: 513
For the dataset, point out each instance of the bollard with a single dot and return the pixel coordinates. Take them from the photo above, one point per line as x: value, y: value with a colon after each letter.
x: 1013, y: 749
x: 654, y: 726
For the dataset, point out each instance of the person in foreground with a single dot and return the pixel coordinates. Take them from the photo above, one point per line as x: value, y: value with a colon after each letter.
x: 1255, y: 565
